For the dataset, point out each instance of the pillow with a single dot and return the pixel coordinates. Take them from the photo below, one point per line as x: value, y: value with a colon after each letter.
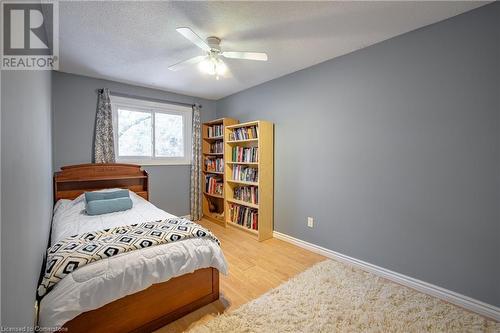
x: 92, y: 196
x: 105, y: 206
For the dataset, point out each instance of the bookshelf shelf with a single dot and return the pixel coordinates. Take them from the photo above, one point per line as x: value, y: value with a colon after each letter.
x: 214, y: 172
x: 213, y: 144
x: 247, y: 124
x: 216, y: 122
x: 252, y: 142
x: 242, y: 182
x: 241, y: 141
x: 214, y: 195
x: 214, y: 138
x: 235, y: 225
x: 254, y: 164
x: 214, y: 217
x: 243, y: 203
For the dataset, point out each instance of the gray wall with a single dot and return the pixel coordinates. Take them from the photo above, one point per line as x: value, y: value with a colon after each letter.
x: 0, y: 204
x: 74, y: 104
x: 395, y: 151
x: 26, y: 189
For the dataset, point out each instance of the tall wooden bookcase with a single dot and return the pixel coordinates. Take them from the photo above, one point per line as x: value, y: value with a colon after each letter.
x: 263, y: 144
x: 213, y: 203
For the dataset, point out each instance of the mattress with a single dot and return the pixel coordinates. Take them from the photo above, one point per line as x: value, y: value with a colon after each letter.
x: 107, y: 280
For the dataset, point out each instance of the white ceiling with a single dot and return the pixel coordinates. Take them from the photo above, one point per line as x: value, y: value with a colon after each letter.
x: 135, y: 42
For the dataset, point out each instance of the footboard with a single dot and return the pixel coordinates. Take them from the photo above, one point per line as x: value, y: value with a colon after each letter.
x: 152, y: 308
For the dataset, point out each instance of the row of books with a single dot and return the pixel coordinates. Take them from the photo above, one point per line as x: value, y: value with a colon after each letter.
x: 242, y: 154
x: 215, y: 130
x: 244, y: 173
x: 244, y: 216
x: 217, y: 147
x: 247, y: 193
x: 214, y: 164
x: 214, y: 184
x: 244, y: 133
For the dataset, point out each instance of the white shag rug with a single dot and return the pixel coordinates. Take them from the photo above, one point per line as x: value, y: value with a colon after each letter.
x: 334, y: 297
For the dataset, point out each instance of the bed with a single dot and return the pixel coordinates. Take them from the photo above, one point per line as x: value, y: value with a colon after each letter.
x: 137, y: 291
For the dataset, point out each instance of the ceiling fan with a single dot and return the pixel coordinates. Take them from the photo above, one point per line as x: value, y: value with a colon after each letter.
x: 211, y: 63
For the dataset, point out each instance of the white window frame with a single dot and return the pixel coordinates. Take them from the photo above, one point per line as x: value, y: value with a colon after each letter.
x: 153, y: 108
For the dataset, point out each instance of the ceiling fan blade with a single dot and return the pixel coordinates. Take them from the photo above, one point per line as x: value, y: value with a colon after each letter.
x: 246, y: 55
x: 194, y: 38
x: 185, y: 63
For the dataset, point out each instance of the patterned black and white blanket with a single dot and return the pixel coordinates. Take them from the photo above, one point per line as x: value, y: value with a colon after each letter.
x: 77, y: 251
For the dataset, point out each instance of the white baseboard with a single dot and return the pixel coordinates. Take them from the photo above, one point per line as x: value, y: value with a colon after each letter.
x: 463, y: 301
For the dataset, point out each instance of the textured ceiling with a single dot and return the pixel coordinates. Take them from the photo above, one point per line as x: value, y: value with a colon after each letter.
x: 135, y: 42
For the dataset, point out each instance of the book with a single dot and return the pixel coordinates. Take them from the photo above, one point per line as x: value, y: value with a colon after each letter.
x: 244, y: 173
x: 244, y: 133
x: 217, y: 147
x: 214, y: 164
x: 214, y: 184
x: 244, y: 216
x: 245, y: 154
x: 215, y: 130
x: 248, y: 194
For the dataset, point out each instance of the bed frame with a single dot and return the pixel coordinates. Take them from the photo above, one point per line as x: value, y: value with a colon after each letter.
x: 74, y: 180
x: 151, y: 308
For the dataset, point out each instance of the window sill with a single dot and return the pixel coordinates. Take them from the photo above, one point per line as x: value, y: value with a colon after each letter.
x: 153, y: 163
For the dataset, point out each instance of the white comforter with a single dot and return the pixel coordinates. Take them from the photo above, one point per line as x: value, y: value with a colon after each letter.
x: 107, y: 280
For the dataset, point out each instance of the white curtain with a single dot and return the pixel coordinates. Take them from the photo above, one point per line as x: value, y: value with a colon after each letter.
x: 196, y: 212
x: 104, y: 147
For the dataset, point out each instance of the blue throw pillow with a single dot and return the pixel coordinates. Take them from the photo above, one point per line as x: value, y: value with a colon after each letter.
x: 105, y: 206
x: 92, y: 196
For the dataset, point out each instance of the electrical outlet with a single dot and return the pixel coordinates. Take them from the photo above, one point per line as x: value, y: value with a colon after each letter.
x: 310, y: 222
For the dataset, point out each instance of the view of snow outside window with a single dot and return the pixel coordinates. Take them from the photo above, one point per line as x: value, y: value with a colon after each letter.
x: 169, y: 140
x: 135, y: 134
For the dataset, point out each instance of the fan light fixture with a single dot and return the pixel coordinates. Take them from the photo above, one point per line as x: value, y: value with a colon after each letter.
x: 212, y: 65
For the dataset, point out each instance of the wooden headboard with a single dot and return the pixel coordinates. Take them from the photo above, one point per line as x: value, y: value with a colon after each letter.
x: 74, y: 180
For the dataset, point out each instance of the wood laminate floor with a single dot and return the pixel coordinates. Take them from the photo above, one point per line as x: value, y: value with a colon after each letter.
x: 254, y: 268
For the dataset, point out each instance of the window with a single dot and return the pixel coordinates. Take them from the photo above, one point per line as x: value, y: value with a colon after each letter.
x: 151, y: 133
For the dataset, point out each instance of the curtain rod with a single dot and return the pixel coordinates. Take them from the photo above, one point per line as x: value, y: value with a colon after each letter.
x: 150, y: 99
